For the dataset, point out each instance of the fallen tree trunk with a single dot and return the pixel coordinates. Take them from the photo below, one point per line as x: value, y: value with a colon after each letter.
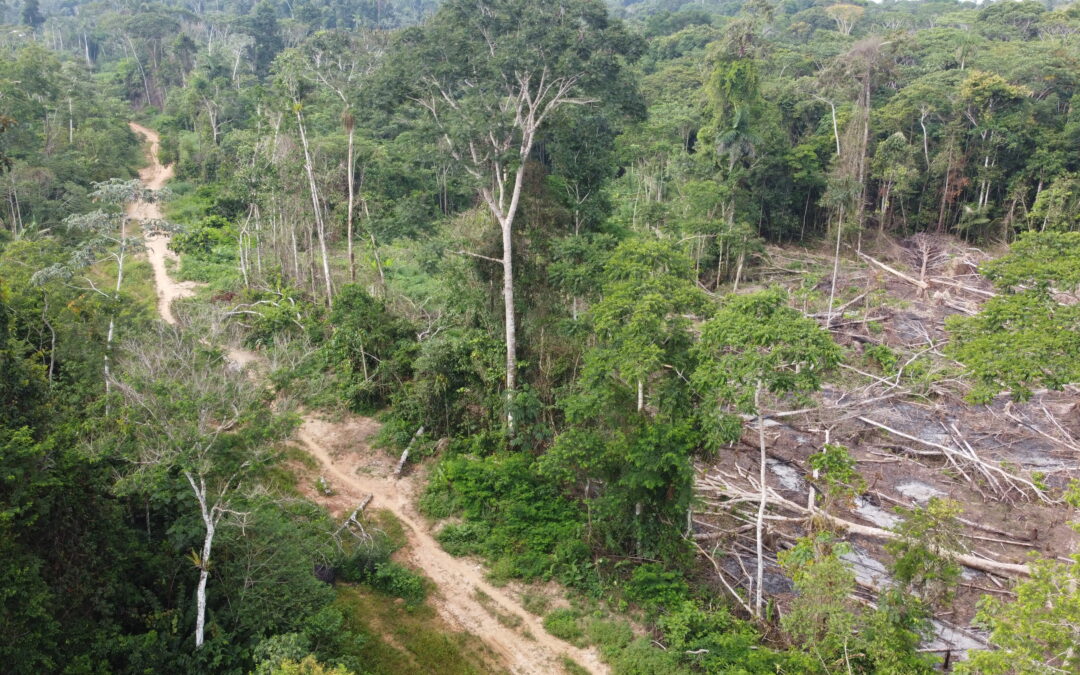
x: 405, y: 455
x: 974, y: 562
x: 351, y: 520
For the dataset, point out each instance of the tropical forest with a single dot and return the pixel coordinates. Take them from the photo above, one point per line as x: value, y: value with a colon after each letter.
x: 609, y: 337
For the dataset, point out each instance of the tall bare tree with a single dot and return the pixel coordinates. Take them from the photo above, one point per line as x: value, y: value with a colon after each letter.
x: 195, y: 415
x: 491, y: 75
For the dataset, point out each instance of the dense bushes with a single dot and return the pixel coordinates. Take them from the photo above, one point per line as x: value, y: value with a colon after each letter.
x: 515, y: 518
x: 370, y: 351
x: 369, y: 562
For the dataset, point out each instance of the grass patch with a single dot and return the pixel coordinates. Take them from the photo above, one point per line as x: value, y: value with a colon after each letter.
x: 535, y: 603
x: 138, y: 284
x: 409, y: 641
x: 570, y: 666
x: 217, y: 276
x: 187, y: 204
x: 508, y: 619
x: 563, y: 623
x: 610, y: 636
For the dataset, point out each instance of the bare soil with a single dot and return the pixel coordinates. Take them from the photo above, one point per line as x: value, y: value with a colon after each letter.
x: 154, y: 175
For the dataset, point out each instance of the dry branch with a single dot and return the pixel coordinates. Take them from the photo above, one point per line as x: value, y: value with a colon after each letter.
x: 987, y: 469
x: 725, y: 489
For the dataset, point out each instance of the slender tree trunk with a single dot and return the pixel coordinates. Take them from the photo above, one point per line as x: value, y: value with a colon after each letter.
x: 760, y: 526
x: 106, y: 368
x: 945, y: 191
x: 351, y: 171
x: 210, y: 519
x: 836, y: 266
x: 506, y: 222
x: 508, y: 312
x: 925, y: 141
x: 374, y: 247
x: 319, y: 224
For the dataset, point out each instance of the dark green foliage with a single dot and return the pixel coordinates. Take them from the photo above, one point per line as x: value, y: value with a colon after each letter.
x: 656, y: 589
x: 213, y: 238
x: 709, y: 639
x: 454, y: 388
x: 515, y: 516
x: 398, y: 581
x: 370, y: 351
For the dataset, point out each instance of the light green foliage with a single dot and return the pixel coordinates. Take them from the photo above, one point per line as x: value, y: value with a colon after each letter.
x: 514, y: 515
x: 1036, y: 633
x: 838, y: 476
x: 841, y: 636
x: 307, y: 666
x: 823, y: 615
x: 1024, y: 338
x: 710, y: 639
x: 563, y: 624
x: 212, y: 238
x: 641, y: 319
x: 923, y: 563
x: 756, y: 342
x: 1057, y: 208
x: 1040, y: 261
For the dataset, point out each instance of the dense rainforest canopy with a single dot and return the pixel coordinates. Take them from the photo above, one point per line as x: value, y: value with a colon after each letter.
x: 659, y: 309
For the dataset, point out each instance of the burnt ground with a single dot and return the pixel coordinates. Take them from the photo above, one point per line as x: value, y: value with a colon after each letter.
x: 913, y: 435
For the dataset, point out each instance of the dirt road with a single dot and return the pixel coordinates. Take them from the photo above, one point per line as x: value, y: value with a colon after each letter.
x: 154, y: 176
x: 355, y: 470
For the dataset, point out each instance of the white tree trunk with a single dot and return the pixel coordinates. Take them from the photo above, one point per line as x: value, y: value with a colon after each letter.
x: 836, y: 267
x: 352, y: 199
x: 210, y: 518
x: 760, y: 527
x: 508, y: 310
x: 320, y: 227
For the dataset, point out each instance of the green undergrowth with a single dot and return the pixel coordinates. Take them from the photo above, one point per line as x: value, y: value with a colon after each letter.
x: 138, y: 283
x: 411, y: 640
x: 508, y: 514
x: 369, y: 562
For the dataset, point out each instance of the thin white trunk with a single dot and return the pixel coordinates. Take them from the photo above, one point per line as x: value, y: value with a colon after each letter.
x: 506, y: 222
x: 760, y: 526
x: 836, y: 267
x: 319, y: 224
x: 508, y: 312
x: 210, y: 517
x: 352, y: 198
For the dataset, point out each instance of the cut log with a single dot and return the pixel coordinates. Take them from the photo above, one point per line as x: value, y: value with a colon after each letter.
x: 405, y: 454
x: 974, y: 562
x: 352, y: 516
x: 910, y: 279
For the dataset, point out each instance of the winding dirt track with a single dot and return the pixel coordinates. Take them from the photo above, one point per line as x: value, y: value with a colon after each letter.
x: 154, y: 176
x: 354, y: 470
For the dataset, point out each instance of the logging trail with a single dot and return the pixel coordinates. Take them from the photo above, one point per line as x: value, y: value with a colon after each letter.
x: 464, y: 597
